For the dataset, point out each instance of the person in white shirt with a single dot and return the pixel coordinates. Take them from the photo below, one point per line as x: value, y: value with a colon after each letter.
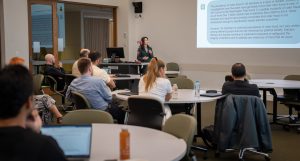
x: 83, y: 54
x: 154, y: 83
x: 98, y: 72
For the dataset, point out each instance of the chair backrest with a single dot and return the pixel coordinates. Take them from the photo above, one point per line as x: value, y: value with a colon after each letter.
x: 182, y: 83
x: 293, y: 94
x: 241, y: 121
x: 37, y: 84
x: 87, y: 116
x: 80, y: 101
x: 49, y: 80
x: 145, y: 111
x: 182, y: 126
x: 172, y: 66
x: 69, y: 78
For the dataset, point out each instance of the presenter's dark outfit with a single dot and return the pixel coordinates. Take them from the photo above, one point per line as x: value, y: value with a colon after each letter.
x: 19, y: 144
x: 145, y: 52
x: 142, y: 53
x: 239, y: 87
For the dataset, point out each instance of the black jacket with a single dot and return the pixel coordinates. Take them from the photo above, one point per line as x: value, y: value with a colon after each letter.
x: 241, y: 122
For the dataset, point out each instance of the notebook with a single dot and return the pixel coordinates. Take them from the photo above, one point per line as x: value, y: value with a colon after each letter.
x: 133, y: 91
x: 211, y: 94
x: 74, y: 140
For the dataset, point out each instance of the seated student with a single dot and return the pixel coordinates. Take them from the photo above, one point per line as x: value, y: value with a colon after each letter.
x: 154, y: 83
x: 46, y: 107
x: 83, y: 54
x: 98, y: 72
x: 239, y: 85
x: 95, y: 90
x: 44, y: 103
x: 58, y: 73
x: 18, y: 139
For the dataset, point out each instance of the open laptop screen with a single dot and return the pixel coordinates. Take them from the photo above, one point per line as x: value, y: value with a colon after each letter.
x: 75, y: 140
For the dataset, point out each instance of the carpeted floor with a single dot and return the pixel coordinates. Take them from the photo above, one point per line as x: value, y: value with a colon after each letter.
x: 286, y: 144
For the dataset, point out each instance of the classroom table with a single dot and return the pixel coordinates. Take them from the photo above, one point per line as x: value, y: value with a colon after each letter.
x: 145, y: 144
x: 269, y: 85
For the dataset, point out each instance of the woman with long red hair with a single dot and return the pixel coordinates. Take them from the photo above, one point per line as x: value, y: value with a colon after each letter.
x: 154, y: 83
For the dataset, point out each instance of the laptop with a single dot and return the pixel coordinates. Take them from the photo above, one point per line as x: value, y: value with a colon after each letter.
x: 74, y: 140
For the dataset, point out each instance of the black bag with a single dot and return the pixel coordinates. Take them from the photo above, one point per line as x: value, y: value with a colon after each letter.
x: 208, y: 136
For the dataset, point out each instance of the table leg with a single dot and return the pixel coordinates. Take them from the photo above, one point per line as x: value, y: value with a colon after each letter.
x: 199, y: 128
x: 265, y: 97
x: 273, y: 92
x: 199, y: 131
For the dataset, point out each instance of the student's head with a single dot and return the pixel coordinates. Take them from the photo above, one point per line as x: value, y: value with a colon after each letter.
x: 49, y: 58
x: 156, y: 68
x: 95, y: 57
x: 85, y: 66
x: 238, y: 70
x: 16, y: 60
x: 84, y: 53
x: 144, y: 40
x: 16, y: 89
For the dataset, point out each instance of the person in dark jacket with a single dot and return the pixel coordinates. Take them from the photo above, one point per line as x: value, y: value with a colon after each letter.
x: 145, y: 52
x: 19, y: 126
x: 58, y: 73
x: 239, y: 85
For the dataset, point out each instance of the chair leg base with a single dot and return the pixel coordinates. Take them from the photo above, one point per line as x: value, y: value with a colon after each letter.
x: 253, y: 150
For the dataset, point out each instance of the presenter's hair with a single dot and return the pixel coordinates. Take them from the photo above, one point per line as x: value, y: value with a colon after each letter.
x: 152, y: 72
x: 16, y: 87
x: 83, y: 65
x: 238, y: 70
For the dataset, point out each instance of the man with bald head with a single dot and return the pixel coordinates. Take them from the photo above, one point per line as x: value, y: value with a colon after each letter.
x: 58, y: 73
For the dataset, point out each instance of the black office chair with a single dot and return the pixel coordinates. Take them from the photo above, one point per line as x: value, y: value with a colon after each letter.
x: 79, y: 101
x: 69, y: 78
x: 145, y: 111
x: 241, y: 123
x: 53, y: 87
x: 291, y: 99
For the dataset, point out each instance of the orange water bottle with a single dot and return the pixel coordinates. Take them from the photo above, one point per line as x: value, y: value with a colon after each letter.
x: 124, y: 144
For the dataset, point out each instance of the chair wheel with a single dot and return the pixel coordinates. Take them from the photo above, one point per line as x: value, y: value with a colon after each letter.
x: 205, y: 156
x: 286, y: 127
x: 267, y: 158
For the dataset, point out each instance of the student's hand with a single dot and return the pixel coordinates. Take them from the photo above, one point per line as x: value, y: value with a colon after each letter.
x: 60, y: 64
x: 34, y: 121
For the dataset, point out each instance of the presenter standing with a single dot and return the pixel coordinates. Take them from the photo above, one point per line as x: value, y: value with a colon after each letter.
x: 145, y: 52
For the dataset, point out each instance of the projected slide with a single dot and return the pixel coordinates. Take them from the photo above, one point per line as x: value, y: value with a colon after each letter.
x: 248, y: 24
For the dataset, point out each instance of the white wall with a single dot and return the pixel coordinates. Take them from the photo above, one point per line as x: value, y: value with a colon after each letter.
x: 15, y: 29
x: 171, y: 28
